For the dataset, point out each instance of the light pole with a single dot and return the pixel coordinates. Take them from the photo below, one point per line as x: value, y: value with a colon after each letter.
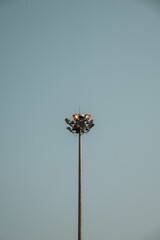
x: 80, y: 124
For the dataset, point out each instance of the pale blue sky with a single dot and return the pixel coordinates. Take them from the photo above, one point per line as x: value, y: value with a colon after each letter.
x: 104, y: 57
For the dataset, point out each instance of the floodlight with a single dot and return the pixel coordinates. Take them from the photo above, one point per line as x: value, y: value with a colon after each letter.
x: 71, y: 123
x: 75, y: 117
x: 92, y: 125
x: 67, y: 120
x: 70, y: 129
x: 87, y: 116
x: 81, y: 116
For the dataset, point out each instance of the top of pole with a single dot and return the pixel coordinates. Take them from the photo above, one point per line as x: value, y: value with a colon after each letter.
x: 81, y: 123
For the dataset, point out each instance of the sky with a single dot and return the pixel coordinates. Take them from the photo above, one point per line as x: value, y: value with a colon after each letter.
x: 103, y: 57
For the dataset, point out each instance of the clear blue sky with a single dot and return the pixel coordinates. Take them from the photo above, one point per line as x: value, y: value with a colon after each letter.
x: 104, y: 57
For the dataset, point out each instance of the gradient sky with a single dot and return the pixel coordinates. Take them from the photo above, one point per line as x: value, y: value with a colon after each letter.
x: 104, y: 57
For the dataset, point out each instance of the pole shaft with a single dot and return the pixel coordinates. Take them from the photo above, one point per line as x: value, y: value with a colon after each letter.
x: 80, y: 188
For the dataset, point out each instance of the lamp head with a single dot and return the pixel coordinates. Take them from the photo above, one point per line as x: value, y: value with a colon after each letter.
x: 67, y: 120
x: 70, y: 129
x: 81, y: 116
x: 76, y: 117
x: 87, y: 116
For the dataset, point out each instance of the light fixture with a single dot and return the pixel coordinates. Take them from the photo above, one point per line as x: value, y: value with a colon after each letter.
x: 75, y: 116
x: 67, y: 120
x: 80, y: 124
x: 69, y: 129
x: 87, y: 116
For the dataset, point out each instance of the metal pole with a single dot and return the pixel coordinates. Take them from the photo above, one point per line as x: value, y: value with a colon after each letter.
x: 80, y: 188
x: 80, y: 124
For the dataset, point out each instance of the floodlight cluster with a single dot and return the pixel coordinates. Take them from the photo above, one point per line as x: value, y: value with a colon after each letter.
x: 80, y: 124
